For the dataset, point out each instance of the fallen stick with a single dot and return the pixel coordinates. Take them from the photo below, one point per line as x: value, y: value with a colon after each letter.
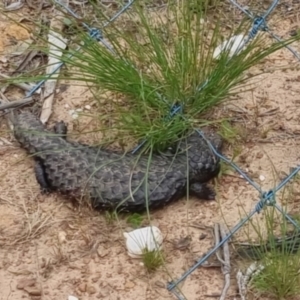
x: 9, y: 122
x: 226, y: 266
x: 56, y: 45
x: 14, y: 104
x: 225, y: 260
x: 244, y: 279
x: 24, y: 86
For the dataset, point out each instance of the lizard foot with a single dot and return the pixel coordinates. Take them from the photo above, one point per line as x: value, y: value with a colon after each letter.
x: 202, y: 191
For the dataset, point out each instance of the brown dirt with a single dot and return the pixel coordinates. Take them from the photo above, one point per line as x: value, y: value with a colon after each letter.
x: 50, y: 250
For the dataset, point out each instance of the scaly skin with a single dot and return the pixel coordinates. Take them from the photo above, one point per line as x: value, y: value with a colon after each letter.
x: 113, y: 180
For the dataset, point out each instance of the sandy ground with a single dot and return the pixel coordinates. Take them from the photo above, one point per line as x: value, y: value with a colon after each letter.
x: 50, y: 249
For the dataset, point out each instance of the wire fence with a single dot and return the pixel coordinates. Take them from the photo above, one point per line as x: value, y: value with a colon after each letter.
x: 267, y: 198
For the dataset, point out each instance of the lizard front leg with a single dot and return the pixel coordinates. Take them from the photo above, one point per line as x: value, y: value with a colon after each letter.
x: 61, y: 128
x: 202, y: 191
x: 41, y: 177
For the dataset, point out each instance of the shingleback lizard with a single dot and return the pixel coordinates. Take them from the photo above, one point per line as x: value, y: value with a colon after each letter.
x: 111, y: 179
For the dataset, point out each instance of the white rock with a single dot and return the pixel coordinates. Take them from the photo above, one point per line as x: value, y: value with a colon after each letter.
x: 72, y: 298
x: 262, y: 177
x: 61, y: 235
x: 234, y: 45
x: 74, y: 113
x: 88, y: 107
x: 149, y: 238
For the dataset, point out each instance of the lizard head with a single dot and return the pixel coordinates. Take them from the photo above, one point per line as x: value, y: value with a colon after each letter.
x: 203, y: 163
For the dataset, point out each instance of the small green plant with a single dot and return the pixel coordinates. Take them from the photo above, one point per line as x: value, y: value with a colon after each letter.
x: 296, y: 218
x: 165, y: 60
x: 277, y: 251
x: 229, y: 132
x: 225, y: 169
x: 110, y: 217
x: 280, y: 277
x: 135, y: 220
x: 152, y: 260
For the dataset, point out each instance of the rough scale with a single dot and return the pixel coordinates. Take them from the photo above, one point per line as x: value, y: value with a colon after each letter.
x: 112, y: 180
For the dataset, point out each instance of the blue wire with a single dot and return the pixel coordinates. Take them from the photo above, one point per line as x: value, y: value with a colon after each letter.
x: 276, y: 37
x: 265, y: 200
x: 271, y: 8
x: 172, y: 285
x: 230, y: 162
x: 259, y: 23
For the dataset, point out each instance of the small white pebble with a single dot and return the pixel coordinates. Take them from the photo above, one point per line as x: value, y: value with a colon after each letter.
x: 88, y: 107
x: 3, y: 59
x: 67, y: 105
x: 72, y: 298
x: 61, y: 237
x: 79, y: 109
x: 247, y: 170
x: 262, y: 177
x: 74, y: 113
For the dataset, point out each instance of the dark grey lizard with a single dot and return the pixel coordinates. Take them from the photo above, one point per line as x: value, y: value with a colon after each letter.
x: 111, y: 179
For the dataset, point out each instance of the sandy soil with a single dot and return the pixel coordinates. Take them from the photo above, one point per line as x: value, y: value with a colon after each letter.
x: 50, y: 249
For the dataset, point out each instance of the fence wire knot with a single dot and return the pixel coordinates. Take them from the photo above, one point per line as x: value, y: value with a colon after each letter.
x: 267, y: 199
x: 96, y: 34
x: 175, y: 109
x: 259, y: 23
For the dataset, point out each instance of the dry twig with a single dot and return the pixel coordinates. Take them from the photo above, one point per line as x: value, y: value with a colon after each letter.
x: 225, y: 260
x: 15, y: 104
x: 56, y: 44
x: 226, y: 265
x: 23, y: 86
x: 244, y: 279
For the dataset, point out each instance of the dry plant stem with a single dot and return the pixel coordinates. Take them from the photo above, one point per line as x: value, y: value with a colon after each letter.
x: 217, y: 241
x: 9, y: 122
x: 241, y: 284
x: 226, y: 267
x: 219, y: 229
x: 28, y: 58
x: 56, y: 44
x: 243, y: 280
x: 23, y: 86
x: 15, y: 104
